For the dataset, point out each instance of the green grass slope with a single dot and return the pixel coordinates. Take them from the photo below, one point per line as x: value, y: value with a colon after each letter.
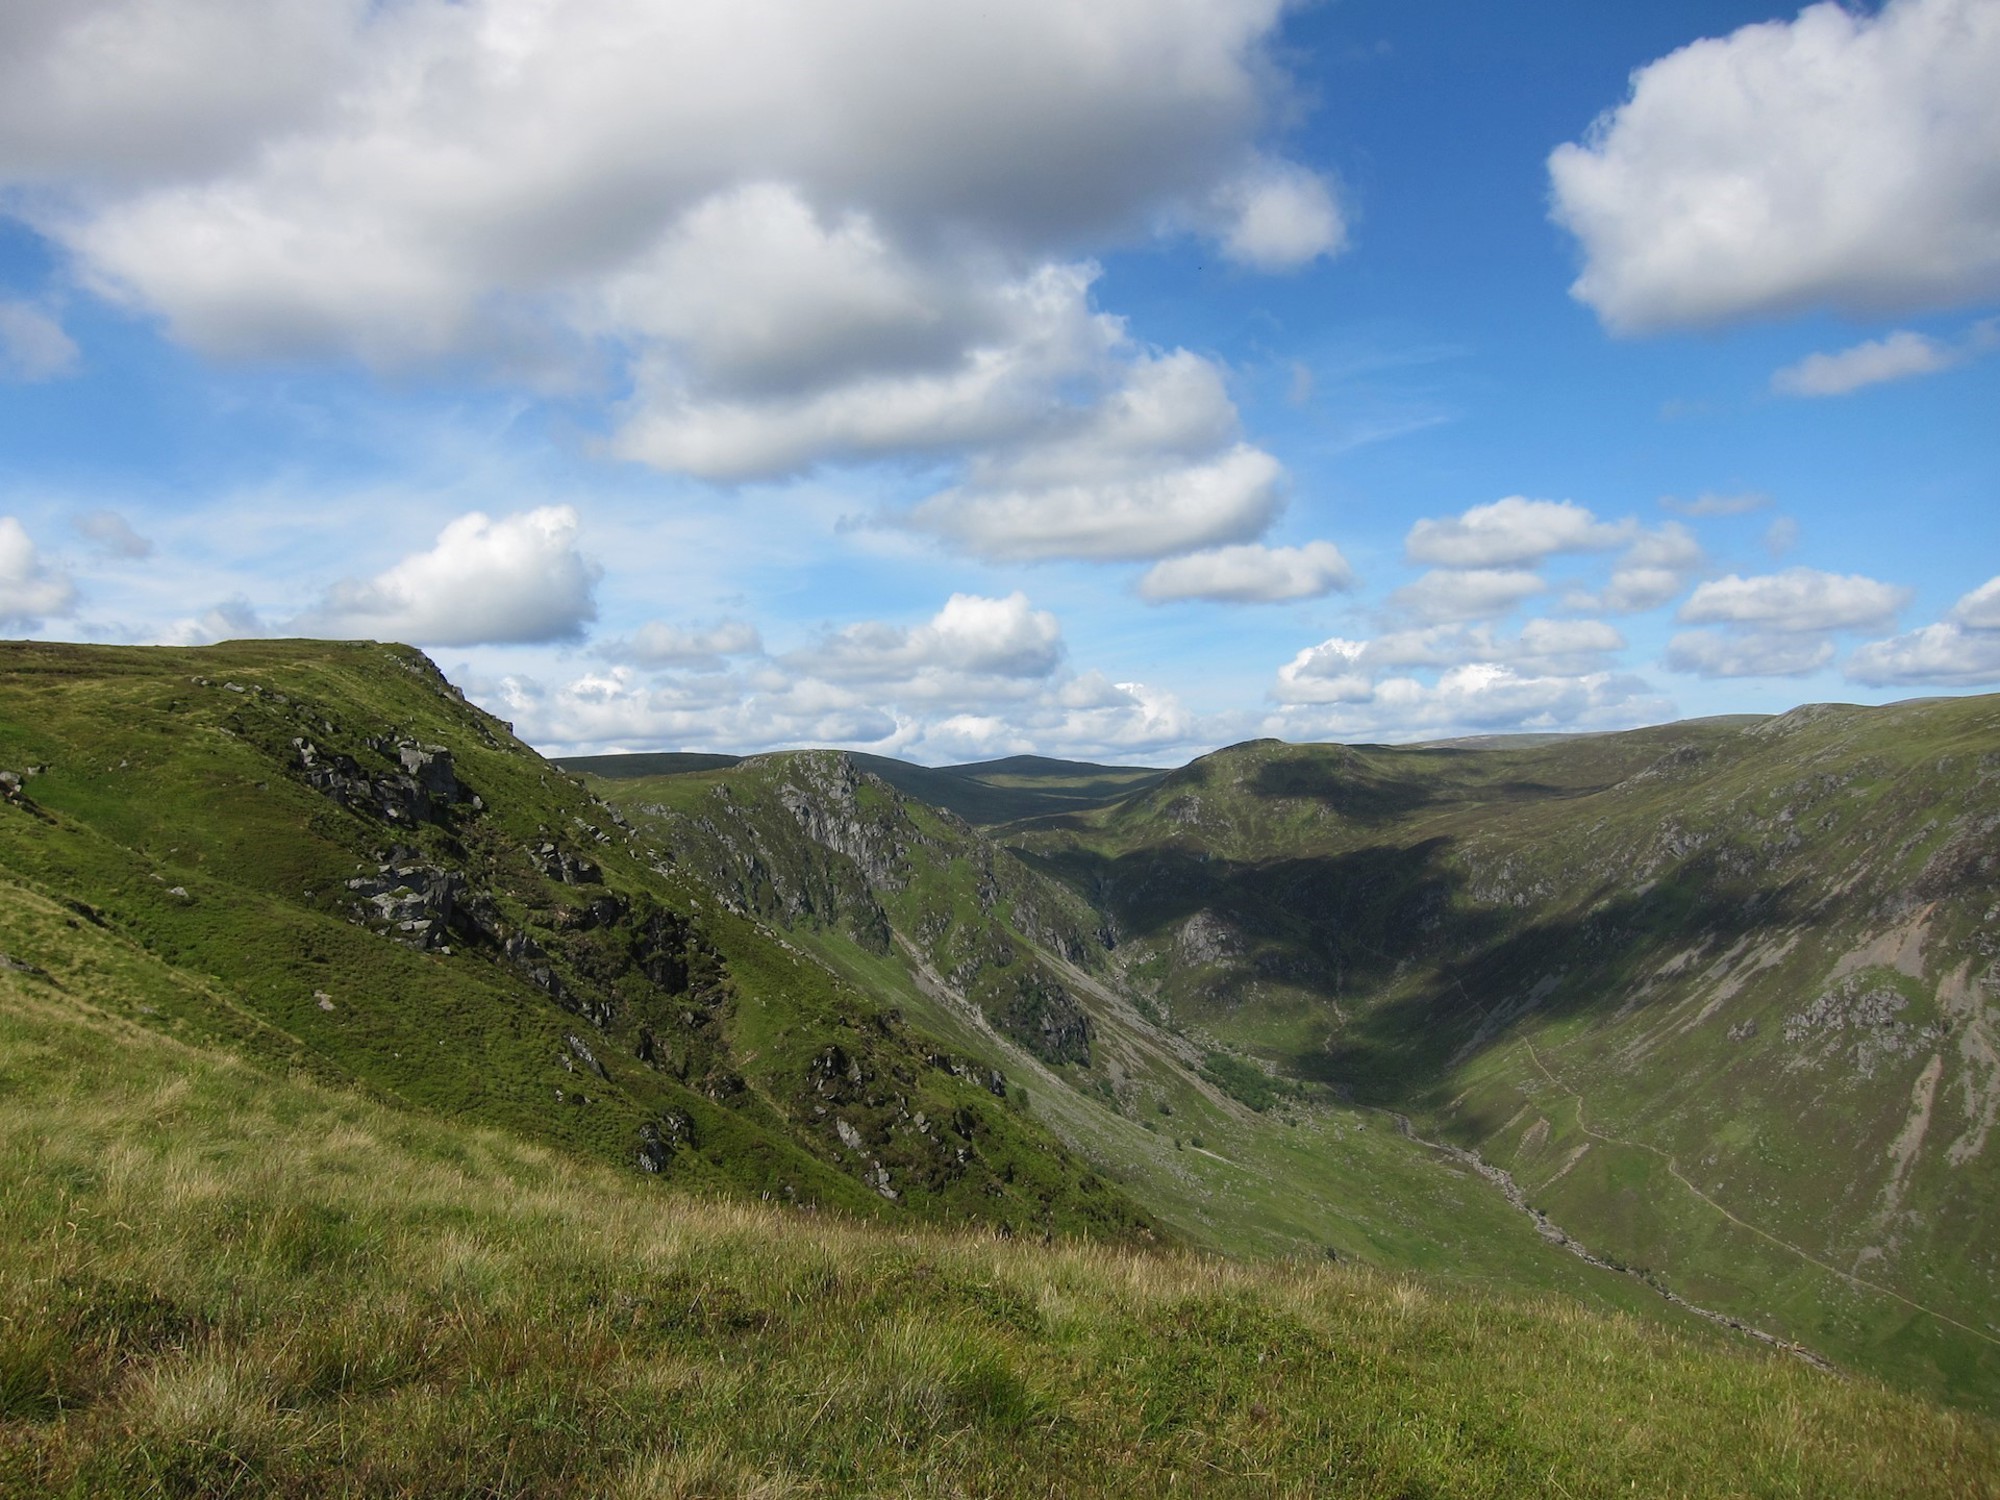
x: 333, y: 863
x: 217, y: 1280
x: 1720, y: 994
x: 1011, y: 967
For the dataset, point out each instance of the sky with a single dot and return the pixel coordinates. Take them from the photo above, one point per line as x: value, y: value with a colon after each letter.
x: 954, y: 381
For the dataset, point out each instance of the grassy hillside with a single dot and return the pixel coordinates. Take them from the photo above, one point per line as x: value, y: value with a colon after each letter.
x: 337, y: 866
x: 1720, y: 995
x: 217, y: 1280
x: 1015, y: 968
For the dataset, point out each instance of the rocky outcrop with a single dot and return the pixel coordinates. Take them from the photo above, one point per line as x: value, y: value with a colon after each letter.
x: 413, y: 903
x: 423, y: 789
x: 1044, y: 1017
x: 564, y: 865
x: 660, y: 1139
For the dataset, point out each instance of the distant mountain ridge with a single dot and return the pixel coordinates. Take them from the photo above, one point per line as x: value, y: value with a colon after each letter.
x: 985, y: 793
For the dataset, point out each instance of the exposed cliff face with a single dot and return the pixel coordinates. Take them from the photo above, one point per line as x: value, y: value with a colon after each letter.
x: 809, y: 838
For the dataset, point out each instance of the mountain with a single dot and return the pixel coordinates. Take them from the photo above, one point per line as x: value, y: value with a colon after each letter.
x: 1717, y: 996
x: 1720, y: 995
x: 383, y: 1112
x: 322, y: 854
x: 977, y: 946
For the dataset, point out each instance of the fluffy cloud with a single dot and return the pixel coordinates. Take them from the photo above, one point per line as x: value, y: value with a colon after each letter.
x: 112, y: 534
x: 30, y: 590
x: 1480, y: 697
x: 1148, y: 473
x: 971, y: 637
x: 519, y: 579
x: 1980, y: 609
x: 1710, y: 653
x: 1962, y: 650
x: 1944, y: 654
x: 797, y: 246
x: 1348, y: 671
x: 1249, y: 574
x: 1655, y: 568
x: 658, y: 644
x: 1445, y: 594
x: 620, y: 708
x: 1842, y: 158
x: 759, y: 396
x: 1280, y: 216
x: 1898, y: 356
x: 1796, y: 600
x: 33, y: 346
x: 981, y: 677
x: 1509, y: 532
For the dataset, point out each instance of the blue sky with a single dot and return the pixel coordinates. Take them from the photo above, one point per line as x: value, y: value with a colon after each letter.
x: 1113, y: 381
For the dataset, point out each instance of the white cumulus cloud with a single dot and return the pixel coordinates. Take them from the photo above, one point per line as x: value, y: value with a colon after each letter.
x: 1153, y: 510
x: 1249, y: 574
x: 1713, y: 653
x: 515, y: 580
x: 1445, y: 594
x: 1843, y: 158
x: 1798, y: 599
x: 980, y: 677
x: 1279, y: 216
x: 30, y: 590
x: 787, y: 242
x: 1339, y: 670
x: 1961, y: 650
x: 1944, y: 654
x: 1476, y: 698
x: 970, y: 637
x: 1653, y: 570
x: 659, y: 644
x: 1980, y: 609
x: 1509, y: 532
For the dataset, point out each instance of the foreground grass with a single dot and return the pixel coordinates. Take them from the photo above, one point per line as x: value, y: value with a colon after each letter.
x: 216, y: 1282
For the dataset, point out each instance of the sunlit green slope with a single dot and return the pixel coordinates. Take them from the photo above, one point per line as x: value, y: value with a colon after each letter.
x: 350, y: 872
x: 215, y: 1280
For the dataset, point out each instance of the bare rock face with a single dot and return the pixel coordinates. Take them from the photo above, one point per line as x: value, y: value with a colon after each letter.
x: 1205, y: 939
x: 425, y: 788
x: 413, y: 903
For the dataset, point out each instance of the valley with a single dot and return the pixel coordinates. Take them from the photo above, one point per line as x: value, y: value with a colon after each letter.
x: 1668, y: 1050
x: 1718, y: 994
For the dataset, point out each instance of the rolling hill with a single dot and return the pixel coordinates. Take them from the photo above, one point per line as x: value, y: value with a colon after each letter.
x: 386, y: 1111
